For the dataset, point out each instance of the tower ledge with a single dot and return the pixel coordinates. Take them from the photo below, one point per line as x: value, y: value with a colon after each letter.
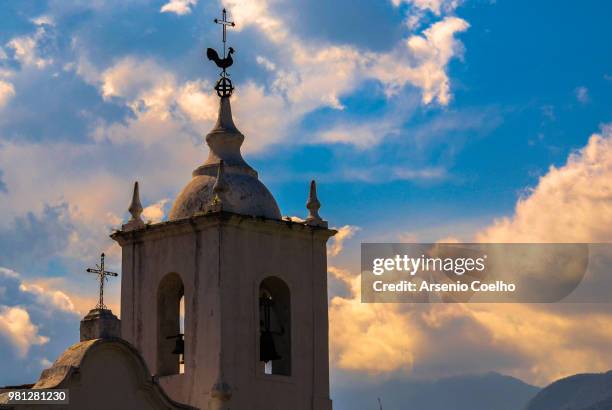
x: 202, y: 221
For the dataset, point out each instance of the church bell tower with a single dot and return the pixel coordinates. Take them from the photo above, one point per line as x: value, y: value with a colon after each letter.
x: 227, y: 301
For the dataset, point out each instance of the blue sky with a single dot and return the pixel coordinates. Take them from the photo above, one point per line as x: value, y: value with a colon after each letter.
x: 420, y: 119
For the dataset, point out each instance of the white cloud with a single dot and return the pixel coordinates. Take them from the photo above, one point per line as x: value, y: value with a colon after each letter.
x: 133, y: 79
x: 7, y: 91
x: 8, y: 273
x: 155, y: 212
x: 360, y: 136
x: 435, y: 6
x: 582, y: 94
x: 36, y: 322
x: 43, y: 20
x: 309, y: 76
x: 26, y: 47
x: 15, y: 324
x: 369, y: 337
x: 317, y: 74
x: 337, y: 243
x: 162, y: 107
x: 257, y: 13
x: 385, y: 173
x: 49, y: 297
x: 180, y: 7
x: 267, y: 64
x: 423, y: 61
x: 578, y: 193
x: 513, y: 339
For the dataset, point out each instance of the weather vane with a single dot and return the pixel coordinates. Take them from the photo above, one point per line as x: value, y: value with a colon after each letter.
x: 224, y: 85
x: 102, y: 276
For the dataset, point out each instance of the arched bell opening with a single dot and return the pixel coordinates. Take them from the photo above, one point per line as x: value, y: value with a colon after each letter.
x: 181, y: 348
x: 275, y: 326
x: 170, y: 334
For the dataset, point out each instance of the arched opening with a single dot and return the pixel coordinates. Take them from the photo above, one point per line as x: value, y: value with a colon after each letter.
x: 170, y: 342
x: 182, y: 331
x: 275, y: 326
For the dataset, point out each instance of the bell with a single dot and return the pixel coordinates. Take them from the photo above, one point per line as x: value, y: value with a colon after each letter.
x: 267, y: 349
x: 179, y: 347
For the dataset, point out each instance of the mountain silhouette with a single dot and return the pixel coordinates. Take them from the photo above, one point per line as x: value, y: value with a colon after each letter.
x: 579, y: 392
x: 466, y: 392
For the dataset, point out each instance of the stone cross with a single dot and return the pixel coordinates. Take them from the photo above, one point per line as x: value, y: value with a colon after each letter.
x: 102, y: 276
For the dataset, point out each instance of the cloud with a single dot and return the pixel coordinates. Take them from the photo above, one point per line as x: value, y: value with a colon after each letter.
x: 7, y: 91
x: 421, y: 340
x: 258, y: 14
x: 368, y: 337
x: 418, y: 9
x: 580, y: 195
x: 35, y: 238
x: 15, y: 323
x: 435, y: 6
x: 161, y: 106
x: 43, y: 20
x: 337, y: 243
x: 55, y: 298
x: 582, y: 94
x: 180, y: 7
x: 362, y: 136
x: 36, y: 322
x: 28, y: 50
x: 383, y: 173
x: 437, y: 340
x: 155, y: 212
x: 423, y: 61
x: 3, y: 188
x: 307, y: 68
x: 579, y: 192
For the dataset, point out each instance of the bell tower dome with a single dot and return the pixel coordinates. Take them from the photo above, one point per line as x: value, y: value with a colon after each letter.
x: 245, y: 193
x: 250, y: 286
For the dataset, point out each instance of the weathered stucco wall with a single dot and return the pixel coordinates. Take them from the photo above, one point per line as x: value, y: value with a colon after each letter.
x: 222, y: 259
x: 102, y: 374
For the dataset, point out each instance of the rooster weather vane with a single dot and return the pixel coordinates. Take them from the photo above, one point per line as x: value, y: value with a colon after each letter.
x: 224, y: 85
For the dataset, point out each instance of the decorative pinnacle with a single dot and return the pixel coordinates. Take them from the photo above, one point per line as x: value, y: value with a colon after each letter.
x: 135, y: 209
x: 313, y: 205
x: 219, y: 188
x: 220, y: 184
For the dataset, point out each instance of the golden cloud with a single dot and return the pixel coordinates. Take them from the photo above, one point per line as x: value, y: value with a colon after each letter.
x: 537, y: 343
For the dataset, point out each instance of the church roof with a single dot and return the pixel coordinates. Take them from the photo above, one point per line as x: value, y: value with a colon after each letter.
x: 240, y: 190
x: 91, y: 369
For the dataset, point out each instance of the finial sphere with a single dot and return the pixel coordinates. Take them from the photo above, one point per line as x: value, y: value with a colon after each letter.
x: 224, y: 87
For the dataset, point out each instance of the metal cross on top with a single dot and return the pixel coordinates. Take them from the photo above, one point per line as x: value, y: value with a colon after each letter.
x: 102, y: 276
x: 224, y: 23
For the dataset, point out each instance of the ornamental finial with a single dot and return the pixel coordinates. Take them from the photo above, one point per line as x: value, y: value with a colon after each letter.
x: 219, y: 189
x: 224, y: 85
x: 313, y: 206
x: 135, y: 209
x: 220, y: 184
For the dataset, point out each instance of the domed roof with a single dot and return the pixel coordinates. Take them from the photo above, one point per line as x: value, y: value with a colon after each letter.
x: 225, y: 181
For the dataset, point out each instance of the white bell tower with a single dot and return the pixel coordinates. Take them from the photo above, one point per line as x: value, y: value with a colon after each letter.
x: 253, y: 287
